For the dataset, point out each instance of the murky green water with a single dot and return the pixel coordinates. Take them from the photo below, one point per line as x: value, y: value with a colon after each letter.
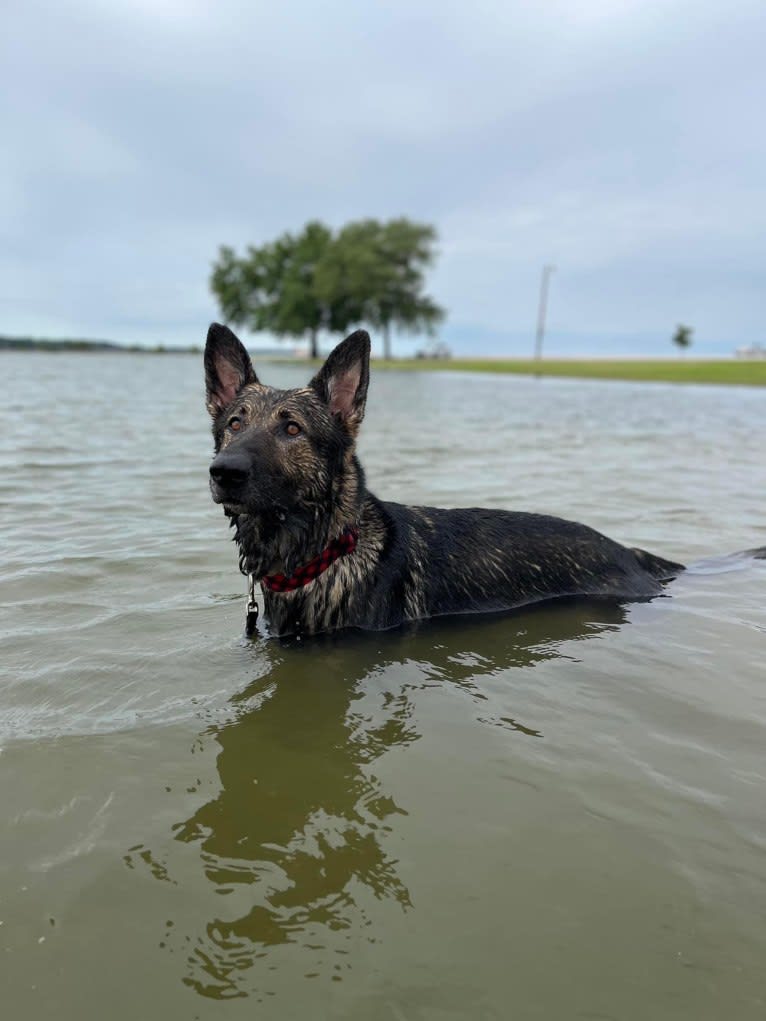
x: 555, y: 814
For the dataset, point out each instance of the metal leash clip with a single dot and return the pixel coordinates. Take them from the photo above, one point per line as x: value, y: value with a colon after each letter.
x: 251, y: 617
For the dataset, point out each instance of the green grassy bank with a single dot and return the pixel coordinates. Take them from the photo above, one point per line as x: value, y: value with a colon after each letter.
x: 683, y: 370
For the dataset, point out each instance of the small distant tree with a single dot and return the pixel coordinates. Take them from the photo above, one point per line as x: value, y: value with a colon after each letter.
x: 682, y: 338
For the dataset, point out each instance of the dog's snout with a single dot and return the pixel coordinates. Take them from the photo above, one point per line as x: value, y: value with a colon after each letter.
x: 229, y: 469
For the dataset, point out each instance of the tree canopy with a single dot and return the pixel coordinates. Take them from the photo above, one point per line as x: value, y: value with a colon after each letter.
x: 368, y: 273
x: 682, y: 338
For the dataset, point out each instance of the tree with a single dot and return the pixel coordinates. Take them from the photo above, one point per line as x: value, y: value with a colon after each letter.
x: 682, y: 338
x: 405, y: 252
x: 272, y: 288
x: 370, y: 273
x: 376, y: 271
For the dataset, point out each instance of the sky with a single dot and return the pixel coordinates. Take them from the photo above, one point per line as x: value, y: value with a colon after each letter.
x: 621, y: 141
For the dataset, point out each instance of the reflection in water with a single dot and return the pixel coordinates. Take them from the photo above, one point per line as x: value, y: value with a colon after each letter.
x: 298, y: 839
x: 297, y: 817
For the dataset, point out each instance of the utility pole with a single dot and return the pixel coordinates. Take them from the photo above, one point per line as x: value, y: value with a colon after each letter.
x: 547, y: 270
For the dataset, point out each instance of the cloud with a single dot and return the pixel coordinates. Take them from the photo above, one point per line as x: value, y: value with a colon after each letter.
x: 618, y: 139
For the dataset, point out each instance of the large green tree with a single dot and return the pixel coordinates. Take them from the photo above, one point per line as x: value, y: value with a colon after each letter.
x: 370, y: 273
x: 378, y: 270
x: 272, y: 287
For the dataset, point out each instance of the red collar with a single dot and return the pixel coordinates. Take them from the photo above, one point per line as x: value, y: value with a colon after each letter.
x: 345, y: 543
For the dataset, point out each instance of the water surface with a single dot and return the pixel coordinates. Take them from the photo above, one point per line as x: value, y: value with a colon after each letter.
x: 556, y: 813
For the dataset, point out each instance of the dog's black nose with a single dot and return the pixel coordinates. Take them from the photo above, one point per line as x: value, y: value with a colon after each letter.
x: 229, y: 469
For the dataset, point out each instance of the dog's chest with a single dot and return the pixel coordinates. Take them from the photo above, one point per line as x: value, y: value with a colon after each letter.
x: 324, y: 604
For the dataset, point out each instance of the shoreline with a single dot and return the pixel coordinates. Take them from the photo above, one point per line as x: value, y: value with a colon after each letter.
x: 712, y: 371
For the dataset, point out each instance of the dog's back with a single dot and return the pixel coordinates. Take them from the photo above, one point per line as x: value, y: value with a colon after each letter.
x: 478, y: 560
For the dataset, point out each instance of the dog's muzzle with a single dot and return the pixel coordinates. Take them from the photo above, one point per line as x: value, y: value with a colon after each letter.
x: 228, y: 476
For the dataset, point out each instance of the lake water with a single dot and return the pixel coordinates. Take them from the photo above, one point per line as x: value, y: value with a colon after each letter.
x: 558, y: 813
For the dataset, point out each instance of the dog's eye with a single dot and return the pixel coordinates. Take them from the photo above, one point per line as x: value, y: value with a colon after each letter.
x: 293, y: 429
x: 235, y: 424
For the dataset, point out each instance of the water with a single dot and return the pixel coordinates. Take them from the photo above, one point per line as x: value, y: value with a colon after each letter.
x: 552, y: 814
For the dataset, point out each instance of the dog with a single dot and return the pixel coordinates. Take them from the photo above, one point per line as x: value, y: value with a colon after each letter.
x: 328, y: 554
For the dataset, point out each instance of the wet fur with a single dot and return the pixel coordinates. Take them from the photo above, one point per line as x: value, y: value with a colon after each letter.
x: 292, y: 496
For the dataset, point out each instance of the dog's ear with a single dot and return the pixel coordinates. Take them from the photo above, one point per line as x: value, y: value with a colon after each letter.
x: 227, y: 368
x: 343, y: 380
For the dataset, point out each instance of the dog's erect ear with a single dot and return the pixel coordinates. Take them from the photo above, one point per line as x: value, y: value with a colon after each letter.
x: 343, y: 379
x: 227, y: 368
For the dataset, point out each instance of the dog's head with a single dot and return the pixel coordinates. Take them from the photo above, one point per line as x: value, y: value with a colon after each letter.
x: 277, y: 450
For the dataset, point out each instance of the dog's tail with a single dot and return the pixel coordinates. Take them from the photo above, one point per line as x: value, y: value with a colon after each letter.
x: 731, y: 562
x: 662, y: 570
x: 666, y: 570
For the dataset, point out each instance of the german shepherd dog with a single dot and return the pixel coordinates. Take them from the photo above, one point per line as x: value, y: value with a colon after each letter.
x: 328, y: 554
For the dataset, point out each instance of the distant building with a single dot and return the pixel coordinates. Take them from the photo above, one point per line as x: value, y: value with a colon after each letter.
x: 753, y: 351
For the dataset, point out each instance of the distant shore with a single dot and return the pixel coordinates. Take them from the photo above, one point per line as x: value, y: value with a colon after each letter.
x: 75, y: 344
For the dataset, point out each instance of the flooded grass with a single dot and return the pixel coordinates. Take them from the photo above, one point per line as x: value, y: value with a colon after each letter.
x: 728, y: 371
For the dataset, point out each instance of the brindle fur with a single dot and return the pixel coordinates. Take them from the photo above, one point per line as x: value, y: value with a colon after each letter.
x: 289, y: 496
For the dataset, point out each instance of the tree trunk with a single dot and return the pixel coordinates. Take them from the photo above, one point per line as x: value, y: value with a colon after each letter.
x: 314, y: 349
x: 387, y: 341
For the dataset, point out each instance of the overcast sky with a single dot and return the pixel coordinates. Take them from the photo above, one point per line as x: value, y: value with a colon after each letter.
x: 621, y: 140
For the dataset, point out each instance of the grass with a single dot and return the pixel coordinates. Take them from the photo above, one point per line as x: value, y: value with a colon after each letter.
x: 681, y: 370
